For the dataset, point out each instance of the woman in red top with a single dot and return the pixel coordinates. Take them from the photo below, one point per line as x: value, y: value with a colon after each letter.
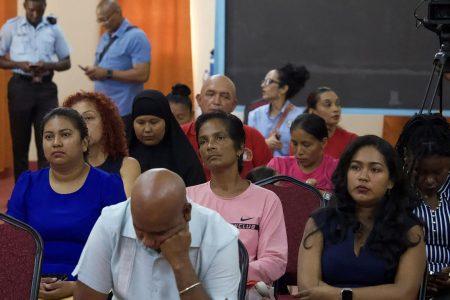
x: 325, y: 103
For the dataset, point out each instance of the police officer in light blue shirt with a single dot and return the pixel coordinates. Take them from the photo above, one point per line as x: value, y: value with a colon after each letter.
x: 122, y: 59
x: 33, y: 47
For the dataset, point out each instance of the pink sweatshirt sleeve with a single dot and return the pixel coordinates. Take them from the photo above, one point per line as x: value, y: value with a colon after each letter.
x: 272, y: 245
x: 274, y: 164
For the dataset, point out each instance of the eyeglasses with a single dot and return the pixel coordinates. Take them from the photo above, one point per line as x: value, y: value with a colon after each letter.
x: 107, y: 19
x: 268, y: 81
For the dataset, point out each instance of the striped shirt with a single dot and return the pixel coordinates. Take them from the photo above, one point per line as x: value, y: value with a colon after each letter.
x: 437, y: 231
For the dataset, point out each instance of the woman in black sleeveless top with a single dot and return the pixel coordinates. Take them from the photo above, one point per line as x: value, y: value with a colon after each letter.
x: 107, y: 143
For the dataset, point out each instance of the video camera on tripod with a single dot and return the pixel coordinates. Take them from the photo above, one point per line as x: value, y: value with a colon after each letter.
x: 438, y: 21
x: 439, y: 12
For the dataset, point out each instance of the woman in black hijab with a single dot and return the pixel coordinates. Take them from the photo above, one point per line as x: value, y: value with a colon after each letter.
x: 157, y: 140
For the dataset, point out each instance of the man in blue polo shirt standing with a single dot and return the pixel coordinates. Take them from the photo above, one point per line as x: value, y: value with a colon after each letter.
x: 122, y: 59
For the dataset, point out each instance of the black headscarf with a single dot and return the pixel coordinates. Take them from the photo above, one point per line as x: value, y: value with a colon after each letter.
x: 174, y: 152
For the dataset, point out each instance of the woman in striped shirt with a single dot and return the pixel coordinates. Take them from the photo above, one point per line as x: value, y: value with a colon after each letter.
x: 424, y: 146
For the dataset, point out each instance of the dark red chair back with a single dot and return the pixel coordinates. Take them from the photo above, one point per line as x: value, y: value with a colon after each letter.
x: 251, y: 106
x: 243, y: 266
x: 299, y: 200
x: 20, y: 259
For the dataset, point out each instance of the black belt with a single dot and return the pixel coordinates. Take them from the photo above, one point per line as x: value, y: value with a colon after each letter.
x: 47, y: 78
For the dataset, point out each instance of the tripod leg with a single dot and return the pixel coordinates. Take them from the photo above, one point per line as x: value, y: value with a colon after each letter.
x: 440, y: 94
x: 428, y: 88
x: 438, y: 87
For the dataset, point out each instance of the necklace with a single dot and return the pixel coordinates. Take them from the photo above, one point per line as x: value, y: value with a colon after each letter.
x: 433, y: 212
x: 426, y: 200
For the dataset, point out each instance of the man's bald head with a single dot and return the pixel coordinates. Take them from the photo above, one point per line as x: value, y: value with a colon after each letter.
x: 109, y: 14
x: 158, y: 206
x: 108, y: 4
x: 217, y: 93
x: 158, y: 188
x: 222, y: 80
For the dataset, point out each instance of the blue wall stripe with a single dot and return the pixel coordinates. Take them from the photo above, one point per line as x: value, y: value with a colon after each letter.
x: 219, y: 40
x: 367, y: 111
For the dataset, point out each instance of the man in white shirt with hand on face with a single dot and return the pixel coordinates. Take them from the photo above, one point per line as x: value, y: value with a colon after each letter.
x: 157, y: 245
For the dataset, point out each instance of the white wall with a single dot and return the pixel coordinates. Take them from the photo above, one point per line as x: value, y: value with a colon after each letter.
x: 363, y: 124
x: 202, y: 35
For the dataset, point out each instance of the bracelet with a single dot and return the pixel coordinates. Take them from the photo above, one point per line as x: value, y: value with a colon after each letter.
x: 189, y: 287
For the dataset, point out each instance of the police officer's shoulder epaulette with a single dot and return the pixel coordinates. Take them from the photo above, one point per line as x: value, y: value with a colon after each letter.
x: 52, y: 20
x: 15, y: 19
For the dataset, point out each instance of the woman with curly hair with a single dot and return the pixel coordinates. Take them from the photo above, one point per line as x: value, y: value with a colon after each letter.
x: 107, y: 143
x: 367, y: 244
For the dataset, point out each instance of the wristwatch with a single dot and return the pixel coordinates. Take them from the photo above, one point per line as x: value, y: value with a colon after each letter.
x: 109, y: 74
x: 327, y: 196
x: 346, y: 294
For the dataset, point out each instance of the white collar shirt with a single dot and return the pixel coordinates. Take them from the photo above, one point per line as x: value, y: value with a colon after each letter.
x: 113, y: 259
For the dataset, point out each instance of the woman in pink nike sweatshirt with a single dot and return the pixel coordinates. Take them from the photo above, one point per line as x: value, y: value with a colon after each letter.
x: 255, y: 211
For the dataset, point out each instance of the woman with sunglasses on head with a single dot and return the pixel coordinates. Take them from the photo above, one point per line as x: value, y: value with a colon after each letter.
x: 274, y: 119
x: 325, y: 103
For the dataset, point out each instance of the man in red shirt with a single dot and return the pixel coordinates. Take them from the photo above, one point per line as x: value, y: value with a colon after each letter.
x: 219, y: 93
